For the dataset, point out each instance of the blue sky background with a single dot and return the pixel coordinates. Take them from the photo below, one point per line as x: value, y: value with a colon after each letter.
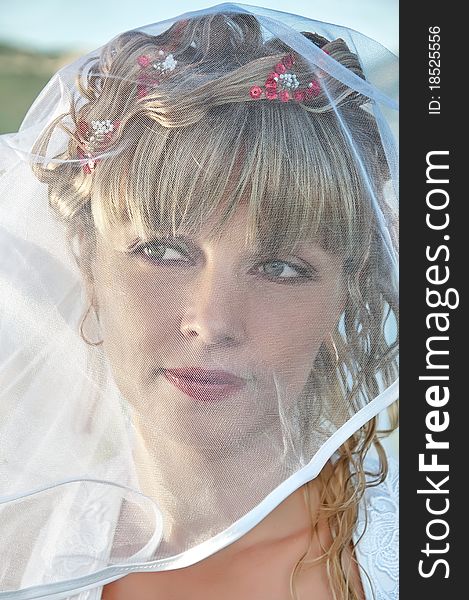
x: 87, y: 24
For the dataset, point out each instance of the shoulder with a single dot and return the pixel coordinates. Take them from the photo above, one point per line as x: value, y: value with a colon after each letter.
x: 377, y: 533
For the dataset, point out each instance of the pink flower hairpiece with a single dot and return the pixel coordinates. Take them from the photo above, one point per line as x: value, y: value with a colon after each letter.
x: 95, y: 137
x: 282, y: 83
x: 152, y: 71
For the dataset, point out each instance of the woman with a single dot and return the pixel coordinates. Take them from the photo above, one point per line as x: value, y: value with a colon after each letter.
x: 223, y: 184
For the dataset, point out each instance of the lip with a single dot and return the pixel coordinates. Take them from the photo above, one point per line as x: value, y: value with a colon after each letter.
x: 205, y: 385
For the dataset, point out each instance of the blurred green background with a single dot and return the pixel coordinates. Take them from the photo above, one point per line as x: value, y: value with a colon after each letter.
x: 23, y: 73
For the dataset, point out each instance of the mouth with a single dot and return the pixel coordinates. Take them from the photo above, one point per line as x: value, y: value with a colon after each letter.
x: 204, y: 385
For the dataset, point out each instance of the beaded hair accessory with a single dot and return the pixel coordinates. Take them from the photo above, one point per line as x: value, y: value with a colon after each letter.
x: 94, y: 138
x: 152, y: 71
x: 282, y: 83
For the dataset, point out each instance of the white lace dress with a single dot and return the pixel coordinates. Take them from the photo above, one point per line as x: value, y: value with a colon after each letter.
x: 378, y: 550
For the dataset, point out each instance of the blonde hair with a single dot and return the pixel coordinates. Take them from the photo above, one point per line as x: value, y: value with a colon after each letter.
x: 197, y: 146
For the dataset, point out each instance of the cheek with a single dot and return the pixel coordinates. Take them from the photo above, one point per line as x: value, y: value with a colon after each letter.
x: 138, y: 325
x: 134, y: 309
x: 297, y: 328
x: 289, y: 334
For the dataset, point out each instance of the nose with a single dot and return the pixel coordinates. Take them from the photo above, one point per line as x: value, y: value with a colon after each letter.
x: 215, y: 313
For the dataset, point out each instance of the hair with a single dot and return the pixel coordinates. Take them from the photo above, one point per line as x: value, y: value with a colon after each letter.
x: 198, y: 145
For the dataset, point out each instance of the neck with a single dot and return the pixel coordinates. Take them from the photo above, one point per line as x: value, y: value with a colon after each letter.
x: 201, y: 494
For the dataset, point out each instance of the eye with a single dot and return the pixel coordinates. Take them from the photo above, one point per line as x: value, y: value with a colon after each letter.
x: 291, y: 272
x: 159, y: 250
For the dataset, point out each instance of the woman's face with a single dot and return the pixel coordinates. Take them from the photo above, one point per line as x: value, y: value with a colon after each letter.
x: 216, y: 305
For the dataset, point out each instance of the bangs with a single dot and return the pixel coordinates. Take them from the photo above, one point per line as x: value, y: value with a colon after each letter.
x: 293, y: 170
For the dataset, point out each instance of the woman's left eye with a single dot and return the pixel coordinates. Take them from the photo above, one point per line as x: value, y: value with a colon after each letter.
x: 290, y: 271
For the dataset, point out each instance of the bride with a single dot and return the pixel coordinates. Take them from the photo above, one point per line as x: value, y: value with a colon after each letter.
x: 206, y: 313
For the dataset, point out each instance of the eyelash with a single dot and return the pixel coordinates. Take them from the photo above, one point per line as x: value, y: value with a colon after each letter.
x: 305, y: 273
